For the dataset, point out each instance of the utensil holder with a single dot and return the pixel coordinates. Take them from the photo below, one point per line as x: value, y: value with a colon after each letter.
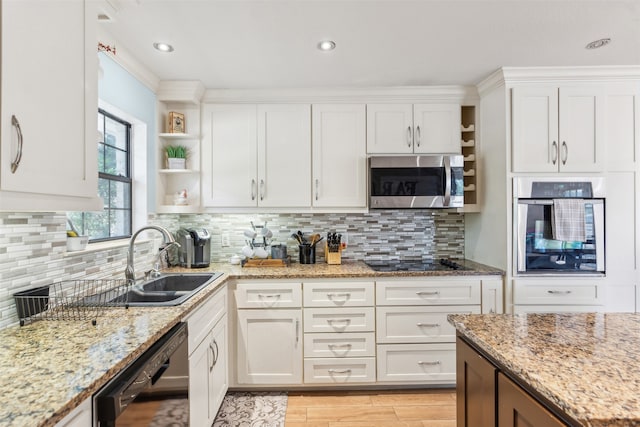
x: 307, y: 254
x: 333, y: 258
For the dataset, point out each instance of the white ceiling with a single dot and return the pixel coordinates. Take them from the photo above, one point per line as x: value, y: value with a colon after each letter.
x: 272, y: 43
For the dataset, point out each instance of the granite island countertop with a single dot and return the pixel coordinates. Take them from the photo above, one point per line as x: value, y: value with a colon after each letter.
x: 47, y: 368
x: 586, y: 364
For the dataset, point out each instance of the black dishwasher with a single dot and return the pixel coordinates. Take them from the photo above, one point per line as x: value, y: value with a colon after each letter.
x: 114, y: 398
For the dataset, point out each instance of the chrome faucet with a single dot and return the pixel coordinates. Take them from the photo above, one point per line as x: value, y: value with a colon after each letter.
x: 129, y: 272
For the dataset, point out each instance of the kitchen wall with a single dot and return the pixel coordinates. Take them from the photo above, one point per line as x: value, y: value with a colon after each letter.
x: 382, y: 234
x: 33, y: 253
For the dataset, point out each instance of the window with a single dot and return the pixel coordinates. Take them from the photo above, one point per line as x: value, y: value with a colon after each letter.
x: 114, y: 183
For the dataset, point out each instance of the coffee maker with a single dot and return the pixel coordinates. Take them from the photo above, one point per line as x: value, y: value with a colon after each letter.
x: 195, y: 247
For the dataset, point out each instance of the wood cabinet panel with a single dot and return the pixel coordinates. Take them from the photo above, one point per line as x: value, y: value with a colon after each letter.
x: 516, y: 408
x: 476, y: 388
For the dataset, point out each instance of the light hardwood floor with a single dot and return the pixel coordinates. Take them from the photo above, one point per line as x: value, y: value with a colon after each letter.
x: 424, y: 408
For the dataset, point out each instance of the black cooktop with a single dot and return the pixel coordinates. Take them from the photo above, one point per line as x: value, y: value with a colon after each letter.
x: 415, y: 265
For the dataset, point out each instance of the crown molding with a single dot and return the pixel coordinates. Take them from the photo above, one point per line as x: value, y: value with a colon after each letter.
x: 414, y: 94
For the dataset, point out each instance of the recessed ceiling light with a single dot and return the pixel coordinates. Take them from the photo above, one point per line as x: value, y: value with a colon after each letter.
x: 327, y: 45
x: 598, y: 43
x: 163, y: 47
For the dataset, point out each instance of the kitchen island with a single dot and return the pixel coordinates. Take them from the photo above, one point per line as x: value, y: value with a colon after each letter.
x: 582, y: 368
x: 50, y: 367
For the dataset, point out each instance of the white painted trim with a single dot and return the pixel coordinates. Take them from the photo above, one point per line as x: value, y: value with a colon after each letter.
x: 189, y: 91
x: 128, y: 61
x: 407, y: 94
x: 574, y: 74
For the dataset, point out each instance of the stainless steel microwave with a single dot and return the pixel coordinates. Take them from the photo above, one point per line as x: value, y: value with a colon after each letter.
x: 415, y: 182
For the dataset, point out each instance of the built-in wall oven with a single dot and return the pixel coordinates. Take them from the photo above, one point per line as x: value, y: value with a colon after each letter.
x: 111, y: 402
x: 559, y: 225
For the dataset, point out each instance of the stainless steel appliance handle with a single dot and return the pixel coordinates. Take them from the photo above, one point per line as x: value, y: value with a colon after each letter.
x: 253, y: 189
x: 566, y: 152
x: 16, y: 162
x: 409, y: 138
x: 418, y: 136
x: 262, y: 189
x: 554, y: 159
x: 447, y: 184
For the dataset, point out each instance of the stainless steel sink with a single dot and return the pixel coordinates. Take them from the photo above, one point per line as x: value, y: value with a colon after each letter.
x: 168, y: 289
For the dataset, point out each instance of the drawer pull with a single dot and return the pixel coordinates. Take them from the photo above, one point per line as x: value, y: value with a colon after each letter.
x: 428, y: 293
x: 345, y: 321
x: 336, y: 371
x: 558, y: 292
x: 332, y: 346
x: 277, y: 296
x: 428, y: 325
x: 345, y: 296
x: 437, y: 362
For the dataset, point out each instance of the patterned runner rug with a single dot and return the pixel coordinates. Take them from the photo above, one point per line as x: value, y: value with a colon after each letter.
x: 239, y: 409
x: 256, y: 409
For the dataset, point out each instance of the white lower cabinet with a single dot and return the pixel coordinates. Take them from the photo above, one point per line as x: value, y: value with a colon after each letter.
x: 339, y: 332
x: 345, y: 370
x: 416, y: 343
x: 269, y: 332
x: 417, y: 363
x: 269, y: 346
x: 208, y: 374
x: 562, y: 295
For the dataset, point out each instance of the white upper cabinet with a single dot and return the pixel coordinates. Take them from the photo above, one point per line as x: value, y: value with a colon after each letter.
x: 558, y: 129
x: 407, y: 128
x: 284, y: 155
x: 339, y: 156
x: 256, y: 155
x: 48, y: 152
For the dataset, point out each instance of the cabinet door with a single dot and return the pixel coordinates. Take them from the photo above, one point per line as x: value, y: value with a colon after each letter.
x: 339, y: 156
x: 580, y: 132
x: 517, y: 408
x: 389, y: 128
x: 80, y: 417
x: 436, y: 128
x: 269, y: 347
x: 492, y: 296
x: 475, y: 388
x: 284, y: 155
x: 535, y: 129
x: 219, y: 381
x: 229, y: 156
x: 39, y: 75
x: 200, y: 405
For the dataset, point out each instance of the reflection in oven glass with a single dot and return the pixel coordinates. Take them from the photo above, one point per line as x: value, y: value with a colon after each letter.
x: 545, y: 253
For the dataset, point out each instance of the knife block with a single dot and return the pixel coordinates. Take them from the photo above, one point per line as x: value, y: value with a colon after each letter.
x: 333, y: 258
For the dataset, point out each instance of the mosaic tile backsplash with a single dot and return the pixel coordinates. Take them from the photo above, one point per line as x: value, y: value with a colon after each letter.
x: 395, y: 234
x: 33, y: 245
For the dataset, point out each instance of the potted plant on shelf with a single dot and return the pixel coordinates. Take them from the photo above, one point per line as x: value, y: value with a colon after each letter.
x: 176, y: 156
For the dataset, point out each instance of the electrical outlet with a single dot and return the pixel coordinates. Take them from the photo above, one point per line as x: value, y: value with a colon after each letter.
x: 225, y: 241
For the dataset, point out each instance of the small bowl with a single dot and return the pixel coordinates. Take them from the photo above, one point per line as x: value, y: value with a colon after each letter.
x: 235, y: 259
x: 77, y: 243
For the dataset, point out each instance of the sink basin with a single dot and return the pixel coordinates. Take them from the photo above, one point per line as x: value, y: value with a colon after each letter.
x: 168, y: 289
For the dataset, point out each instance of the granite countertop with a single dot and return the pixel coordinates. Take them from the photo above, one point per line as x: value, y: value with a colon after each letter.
x: 586, y: 364
x: 47, y: 368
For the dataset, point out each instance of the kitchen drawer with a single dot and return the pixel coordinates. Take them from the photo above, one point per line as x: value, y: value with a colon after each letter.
x: 269, y: 295
x: 353, y: 344
x: 519, y: 309
x: 338, y: 294
x: 418, y: 324
x: 416, y: 363
x: 353, y: 319
x: 201, y: 321
x: 340, y: 371
x: 428, y: 292
x: 554, y: 291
